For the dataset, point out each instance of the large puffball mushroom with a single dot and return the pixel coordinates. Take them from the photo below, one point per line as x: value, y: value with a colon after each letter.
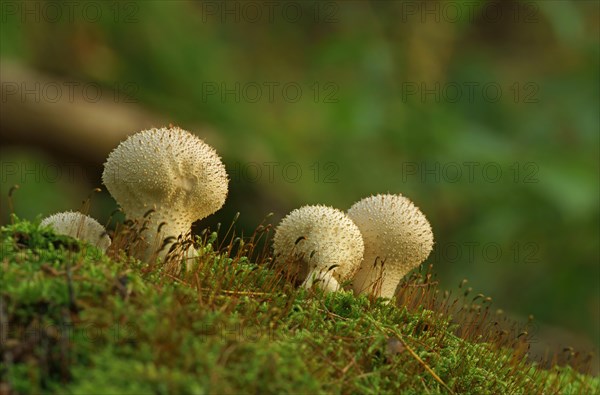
x: 171, y: 172
x: 79, y: 226
x: 321, y: 243
x: 397, y: 238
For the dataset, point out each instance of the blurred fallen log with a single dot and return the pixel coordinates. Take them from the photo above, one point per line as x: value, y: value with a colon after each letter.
x: 83, y: 120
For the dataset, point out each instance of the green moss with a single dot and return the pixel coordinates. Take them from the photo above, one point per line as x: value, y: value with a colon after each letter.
x: 76, y: 321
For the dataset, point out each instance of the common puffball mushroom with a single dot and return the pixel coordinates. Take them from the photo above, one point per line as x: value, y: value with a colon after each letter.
x: 323, y: 245
x: 79, y: 226
x: 172, y: 172
x: 397, y: 238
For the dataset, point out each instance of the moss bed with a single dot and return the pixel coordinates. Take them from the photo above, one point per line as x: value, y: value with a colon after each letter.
x: 76, y: 320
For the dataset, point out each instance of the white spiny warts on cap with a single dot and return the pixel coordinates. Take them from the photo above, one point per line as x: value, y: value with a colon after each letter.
x: 170, y: 171
x: 397, y: 234
x: 79, y: 226
x: 321, y: 243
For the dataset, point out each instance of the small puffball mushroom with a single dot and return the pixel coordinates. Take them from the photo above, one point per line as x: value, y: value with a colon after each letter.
x: 79, y: 226
x: 321, y: 243
x: 172, y: 172
x: 322, y: 279
x: 396, y: 234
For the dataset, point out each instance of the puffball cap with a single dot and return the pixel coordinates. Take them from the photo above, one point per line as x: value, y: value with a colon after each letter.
x: 168, y: 169
x: 79, y: 226
x: 393, y: 229
x: 324, y: 236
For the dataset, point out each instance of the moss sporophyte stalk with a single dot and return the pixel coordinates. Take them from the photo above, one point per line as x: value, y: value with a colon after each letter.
x: 341, y: 304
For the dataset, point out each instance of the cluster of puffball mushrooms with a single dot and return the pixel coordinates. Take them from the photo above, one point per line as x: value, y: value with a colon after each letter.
x: 168, y: 178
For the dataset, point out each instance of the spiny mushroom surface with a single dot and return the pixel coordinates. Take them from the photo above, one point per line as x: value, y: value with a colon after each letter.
x: 79, y: 226
x: 172, y: 172
x: 321, y: 243
x: 396, y: 234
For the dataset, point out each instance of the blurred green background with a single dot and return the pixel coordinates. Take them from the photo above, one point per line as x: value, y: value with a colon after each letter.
x: 485, y: 114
